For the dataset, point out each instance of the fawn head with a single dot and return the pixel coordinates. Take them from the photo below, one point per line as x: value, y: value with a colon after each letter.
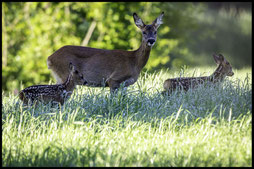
x: 149, y: 32
x: 77, y: 77
x: 224, y: 65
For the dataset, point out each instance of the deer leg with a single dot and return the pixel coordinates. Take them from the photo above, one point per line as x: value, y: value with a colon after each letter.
x: 113, y: 85
x: 128, y: 82
x: 62, y: 102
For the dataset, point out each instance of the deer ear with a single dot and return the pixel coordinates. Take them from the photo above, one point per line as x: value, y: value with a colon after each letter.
x: 221, y: 57
x: 158, y: 21
x: 218, y: 58
x: 138, y: 21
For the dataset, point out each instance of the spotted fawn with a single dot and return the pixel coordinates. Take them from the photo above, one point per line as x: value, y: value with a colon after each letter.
x: 56, y: 93
x: 224, y: 69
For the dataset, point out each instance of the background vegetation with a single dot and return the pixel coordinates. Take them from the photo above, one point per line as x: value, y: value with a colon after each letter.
x: 191, y: 32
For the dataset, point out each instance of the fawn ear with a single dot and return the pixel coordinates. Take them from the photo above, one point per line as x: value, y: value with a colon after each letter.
x: 138, y: 21
x: 222, y: 58
x: 71, y: 67
x: 218, y: 58
x: 158, y: 21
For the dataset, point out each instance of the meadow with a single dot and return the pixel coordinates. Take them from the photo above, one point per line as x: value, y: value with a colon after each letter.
x: 138, y: 126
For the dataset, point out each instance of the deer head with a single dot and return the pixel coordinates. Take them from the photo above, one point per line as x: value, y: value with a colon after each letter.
x: 75, y: 75
x: 149, y: 32
x: 224, y: 66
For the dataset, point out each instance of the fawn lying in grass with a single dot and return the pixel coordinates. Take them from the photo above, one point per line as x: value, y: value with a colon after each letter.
x: 224, y: 69
x: 55, y: 93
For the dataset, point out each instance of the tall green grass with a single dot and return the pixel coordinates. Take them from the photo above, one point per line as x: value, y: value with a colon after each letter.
x: 209, y: 126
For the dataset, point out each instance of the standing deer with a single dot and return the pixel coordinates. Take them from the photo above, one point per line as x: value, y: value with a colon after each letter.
x: 224, y: 69
x: 108, y: 68
x: 56, y: 93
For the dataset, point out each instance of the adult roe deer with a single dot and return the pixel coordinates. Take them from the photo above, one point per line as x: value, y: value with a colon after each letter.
x: 106, y: 67
x: 56, y: 93
x: 224, y: 69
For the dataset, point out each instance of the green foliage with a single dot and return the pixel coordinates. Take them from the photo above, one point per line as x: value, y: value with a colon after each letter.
x: 222, y: 32
x: 206, y: 127
x: 32, y: 31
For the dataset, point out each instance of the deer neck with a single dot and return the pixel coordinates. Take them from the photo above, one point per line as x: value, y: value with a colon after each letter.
x: 142, y: 55
x: 69, y: 84
x: 217, y: 75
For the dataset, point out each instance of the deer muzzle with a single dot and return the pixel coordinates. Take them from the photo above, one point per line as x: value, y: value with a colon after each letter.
x: 150, y: 42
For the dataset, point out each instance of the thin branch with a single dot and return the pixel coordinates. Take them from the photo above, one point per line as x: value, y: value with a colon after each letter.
x: 89, y: 34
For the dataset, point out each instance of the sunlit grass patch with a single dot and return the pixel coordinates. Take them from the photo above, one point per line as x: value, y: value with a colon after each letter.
x: 209, y: 126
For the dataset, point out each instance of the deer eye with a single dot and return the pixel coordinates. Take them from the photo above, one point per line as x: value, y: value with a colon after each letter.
x: 144, y: 33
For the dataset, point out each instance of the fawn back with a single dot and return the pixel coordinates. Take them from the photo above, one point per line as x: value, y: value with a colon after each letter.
x: 224, y: 69
x: 56, y: 93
